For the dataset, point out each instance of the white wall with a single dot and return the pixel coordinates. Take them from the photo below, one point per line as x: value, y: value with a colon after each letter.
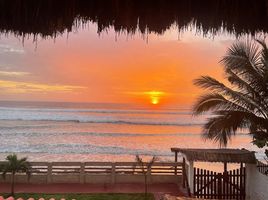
x: 190, y: 174
x: 257, y: 184
x: 98, y: 172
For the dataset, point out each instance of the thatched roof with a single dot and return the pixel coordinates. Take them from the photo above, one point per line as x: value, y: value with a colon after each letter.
x: 218, y: 155
x: 53, y: 17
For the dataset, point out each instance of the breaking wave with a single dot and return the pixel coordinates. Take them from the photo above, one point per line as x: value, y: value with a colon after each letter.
x: 130, y: 117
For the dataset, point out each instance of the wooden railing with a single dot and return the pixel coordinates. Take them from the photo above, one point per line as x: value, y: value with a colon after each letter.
x: 263, y: 168
x: 108, y: 172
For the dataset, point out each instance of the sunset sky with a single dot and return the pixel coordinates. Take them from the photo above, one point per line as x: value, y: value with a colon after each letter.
x: 86, y: 67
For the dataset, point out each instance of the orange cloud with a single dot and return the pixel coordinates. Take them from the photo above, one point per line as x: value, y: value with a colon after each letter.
x: 27, y: 87
x: 12, y: 73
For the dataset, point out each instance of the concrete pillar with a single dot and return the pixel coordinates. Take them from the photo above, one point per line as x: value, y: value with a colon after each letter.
x: 250, y: 169
x: 187, y: 168
x: 113, y: 174
x: 176, y: 160
x: 82, y: 173
x: 49, y: 172
x: 191, y: 176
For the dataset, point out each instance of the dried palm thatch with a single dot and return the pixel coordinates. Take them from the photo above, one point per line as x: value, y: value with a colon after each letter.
x: 51, y: 18
x: 218, y: 155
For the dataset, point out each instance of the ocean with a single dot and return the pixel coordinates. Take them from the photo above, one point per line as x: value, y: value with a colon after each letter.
x: 55, y: 131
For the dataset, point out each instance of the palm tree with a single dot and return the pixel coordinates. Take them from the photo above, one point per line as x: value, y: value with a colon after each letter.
x: 241, y: 103
x: 145, y: 168
x: 13, y: 166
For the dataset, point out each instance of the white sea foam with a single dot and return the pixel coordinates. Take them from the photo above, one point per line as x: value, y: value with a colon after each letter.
x: 121, y: 111
x: 76, y: 148
x: 134, y: 117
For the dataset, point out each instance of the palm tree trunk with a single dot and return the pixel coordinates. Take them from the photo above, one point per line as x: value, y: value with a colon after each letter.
x: 145, y: 184
x: 12, y: 183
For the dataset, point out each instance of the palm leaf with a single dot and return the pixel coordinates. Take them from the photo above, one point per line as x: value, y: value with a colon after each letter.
x: 239, y: 98
x: 214, y: 101
x: 243, y: 57
x: 222, y: 127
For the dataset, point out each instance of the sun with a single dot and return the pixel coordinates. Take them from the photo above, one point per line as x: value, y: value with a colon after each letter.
x: 155, y: 100
x: 154, y: 96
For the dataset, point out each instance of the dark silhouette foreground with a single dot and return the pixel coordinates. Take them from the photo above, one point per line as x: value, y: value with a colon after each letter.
x: 242, y: 103
x: 51, y: 18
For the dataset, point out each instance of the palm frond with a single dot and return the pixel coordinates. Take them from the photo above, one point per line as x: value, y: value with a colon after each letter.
x: 239, y: 81
x: 138, y: 159
x: 140, y: 163
x: 239, y: 98
x: 145, y: 166
x: 244, y: 58
x: 207, y: 82
x: 248, y: 89
x: 247, y: 60
x: 260, y: 138
x: 14, y: 165
x: 214, y: 101
x: 152, y: 161
x: 264, y: 66
x: 264, y: 57
x: 222, y: 127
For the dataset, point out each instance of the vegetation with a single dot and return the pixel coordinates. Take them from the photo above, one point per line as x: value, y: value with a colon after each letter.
x: 242, y: 103
x: 13, y: 166
x: 145, y: 168
x: 87, y: 196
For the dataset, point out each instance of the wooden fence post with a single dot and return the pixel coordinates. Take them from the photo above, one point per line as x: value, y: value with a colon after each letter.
x: 194, y: 184
x: 183, y: 173
x: 219, y: 186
